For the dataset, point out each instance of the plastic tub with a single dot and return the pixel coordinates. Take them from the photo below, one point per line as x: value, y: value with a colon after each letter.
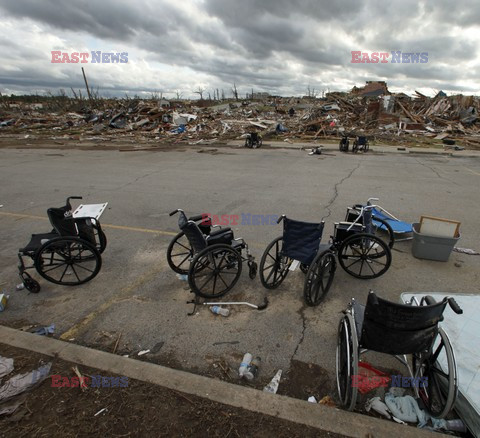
x: 432, y: 247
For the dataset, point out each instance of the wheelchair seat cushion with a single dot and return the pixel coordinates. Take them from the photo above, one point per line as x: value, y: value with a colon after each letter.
x: 37, y: 241
x: 224, y: 236
x: 220, y: 231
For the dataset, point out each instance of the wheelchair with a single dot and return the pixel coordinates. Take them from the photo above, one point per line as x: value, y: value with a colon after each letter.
x: 360, y: 144
x: 179, y: 251
x: 253, y: 140
x: 370, y: 216
x: 400, y: 330
x: 355, y: 249
x: 215, y: 263
x: 344, y: 144
x: 69, y: 255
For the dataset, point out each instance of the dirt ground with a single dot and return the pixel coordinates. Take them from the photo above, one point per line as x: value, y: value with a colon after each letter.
x: 140, y: 409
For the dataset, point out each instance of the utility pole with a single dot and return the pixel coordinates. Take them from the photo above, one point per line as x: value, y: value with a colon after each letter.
x: 86, y: 83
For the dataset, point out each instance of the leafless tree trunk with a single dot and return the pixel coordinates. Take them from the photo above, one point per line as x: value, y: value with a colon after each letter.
x: 234, y: 91
x: 200, y: 92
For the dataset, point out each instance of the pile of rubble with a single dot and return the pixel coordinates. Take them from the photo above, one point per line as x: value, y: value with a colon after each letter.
x: 371, y: 111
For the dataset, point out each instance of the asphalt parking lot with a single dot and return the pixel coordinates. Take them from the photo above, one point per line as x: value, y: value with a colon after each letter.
x: 138, y: 296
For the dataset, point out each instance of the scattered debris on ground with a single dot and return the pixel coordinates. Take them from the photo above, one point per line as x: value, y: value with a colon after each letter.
x: 443, y: 121
x: 139, y: 409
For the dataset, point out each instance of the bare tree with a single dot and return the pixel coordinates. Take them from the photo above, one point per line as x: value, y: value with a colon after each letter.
x: 223, y: 94
x: 234, y: 91
x: 218, y: 95
x: 311, y: 92
x: 200, y: 92
x: 178, y: 94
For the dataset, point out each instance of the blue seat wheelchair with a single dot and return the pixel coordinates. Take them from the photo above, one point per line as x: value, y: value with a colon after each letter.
x: 360, y: 253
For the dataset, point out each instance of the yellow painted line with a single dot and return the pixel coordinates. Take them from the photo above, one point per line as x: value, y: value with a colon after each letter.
x: 116, y: 227
x: 22, y: 216
x: 141, y: 230
x: 472, y: 171
x: 124, y: 293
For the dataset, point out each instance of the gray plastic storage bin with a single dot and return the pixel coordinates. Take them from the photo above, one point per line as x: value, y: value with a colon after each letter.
x: 432, y: 247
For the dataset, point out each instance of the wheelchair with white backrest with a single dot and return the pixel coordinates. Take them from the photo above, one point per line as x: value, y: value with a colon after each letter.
x: 216, y: 258
x: 399, y: 330
x: 68, y: 255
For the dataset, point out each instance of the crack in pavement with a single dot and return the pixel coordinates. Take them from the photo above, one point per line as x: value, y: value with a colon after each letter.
x: 304, y: 329
x: 435, y: 172
x: 138, y: 179
x: 335, y: 188
x: 330, y: 203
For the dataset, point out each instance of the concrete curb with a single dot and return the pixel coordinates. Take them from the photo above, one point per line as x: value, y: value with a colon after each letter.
x: 298, y: 411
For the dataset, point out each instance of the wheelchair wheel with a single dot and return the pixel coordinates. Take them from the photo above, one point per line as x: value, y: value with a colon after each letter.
x: 179, y: 253
x: 252, y: 270
x: 364, y: 256
x: 214, y: 271
x: 355, y: 147
x: 388, y: 229
x: 68, y: 261
x: 248, y: 142
x: 274, y: 266
x: 319, y: 278
x: 31, y: 285
x: 347, y: 362
x: 440, y: 370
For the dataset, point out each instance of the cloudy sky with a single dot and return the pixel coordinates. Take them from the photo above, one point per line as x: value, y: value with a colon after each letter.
x: 277, y: 46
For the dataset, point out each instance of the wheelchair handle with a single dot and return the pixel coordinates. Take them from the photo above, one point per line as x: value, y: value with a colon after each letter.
x: 429, y: 300
x: 371, y: 199
x: 175, y: 212
x: 281, y: 218
x: 454, y: 306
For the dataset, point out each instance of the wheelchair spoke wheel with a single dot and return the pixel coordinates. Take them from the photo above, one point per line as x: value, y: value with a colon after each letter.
x: 387, y: 229
x: 364, y: 256
x: 214, y: 271
x: 347, y: 361
x: 319, y: 278
x: 179, y: 254
x: 68, y: 261
x: 440, y: 370
x: 273, y: 265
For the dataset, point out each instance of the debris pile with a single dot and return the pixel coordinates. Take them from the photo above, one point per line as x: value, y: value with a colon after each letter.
x: 371, y: 111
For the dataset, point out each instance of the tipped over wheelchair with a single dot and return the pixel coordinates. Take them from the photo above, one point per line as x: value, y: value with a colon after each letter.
x: 359, y: 251
x: 400, y: 330
x: 215, y: 257
x: 68, y: 255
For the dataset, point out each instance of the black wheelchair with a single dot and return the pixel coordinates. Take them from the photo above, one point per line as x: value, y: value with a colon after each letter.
x: 360, y: 253
x: 253, y: 140
x: 360, y: 144
x: 69, y: 255
x: 344, y: 144
x: 215, y: 263
x: 179, y: 251
x: 400, y: 330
